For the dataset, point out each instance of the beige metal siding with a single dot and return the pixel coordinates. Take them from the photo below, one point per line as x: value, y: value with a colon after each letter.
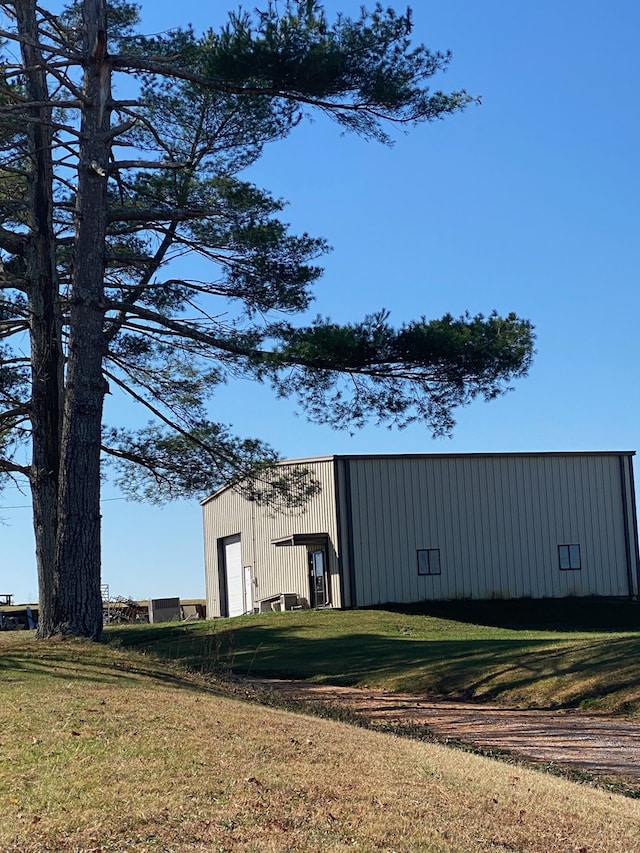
x: 497, y: 520
x: 274, y: 569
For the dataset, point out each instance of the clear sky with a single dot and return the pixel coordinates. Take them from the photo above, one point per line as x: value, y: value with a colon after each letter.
x: 527, y: 203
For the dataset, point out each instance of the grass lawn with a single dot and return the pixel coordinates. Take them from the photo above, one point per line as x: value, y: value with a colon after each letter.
x: 107, y: 749
x: 467, y: 650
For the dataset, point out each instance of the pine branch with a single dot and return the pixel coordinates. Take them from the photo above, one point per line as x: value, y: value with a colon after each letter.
x: 124, y: 214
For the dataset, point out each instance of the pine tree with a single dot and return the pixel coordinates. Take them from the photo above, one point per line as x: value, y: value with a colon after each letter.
x: 101, y: 192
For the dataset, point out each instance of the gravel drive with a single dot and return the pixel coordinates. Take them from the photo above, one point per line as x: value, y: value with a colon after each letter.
x: 600, y: 746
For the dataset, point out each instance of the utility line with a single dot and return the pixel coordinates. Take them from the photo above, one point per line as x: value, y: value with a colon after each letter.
x: 28, y: 506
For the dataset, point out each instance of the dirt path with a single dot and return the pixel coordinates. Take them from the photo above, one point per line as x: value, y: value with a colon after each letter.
x: 602, y: 747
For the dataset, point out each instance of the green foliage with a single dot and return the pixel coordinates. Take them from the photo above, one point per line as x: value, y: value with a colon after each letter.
x: 161, y: 464
x: 369, y: 60
x: 422, y: 371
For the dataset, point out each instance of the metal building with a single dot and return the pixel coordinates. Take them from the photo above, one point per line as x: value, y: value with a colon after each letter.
x: 412, y: 528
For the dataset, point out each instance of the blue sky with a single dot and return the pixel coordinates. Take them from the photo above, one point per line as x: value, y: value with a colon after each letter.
x: 527, y: 203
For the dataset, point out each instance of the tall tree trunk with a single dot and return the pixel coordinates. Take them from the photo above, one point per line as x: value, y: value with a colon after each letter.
x: 78, y: 553
x: 45, y: 326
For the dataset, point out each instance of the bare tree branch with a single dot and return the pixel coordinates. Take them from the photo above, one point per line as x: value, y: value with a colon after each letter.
x: 14, y: 242
x: 124, y: 214
x: 9, y: 467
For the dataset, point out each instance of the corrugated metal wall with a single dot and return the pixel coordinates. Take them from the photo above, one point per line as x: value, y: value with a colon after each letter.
x: 274, y: 570
x: 496, y: 520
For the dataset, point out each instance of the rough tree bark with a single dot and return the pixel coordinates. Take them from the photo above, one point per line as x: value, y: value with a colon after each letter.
x: 44, y: 312
x: 78, y: 603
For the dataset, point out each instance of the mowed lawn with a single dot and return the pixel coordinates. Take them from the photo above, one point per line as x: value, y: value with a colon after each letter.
x: 537, y: 654
x: 105, y: 749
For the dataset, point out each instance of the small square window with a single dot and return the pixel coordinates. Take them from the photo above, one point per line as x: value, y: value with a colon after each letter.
x: 569, y: 558
x: 429, y: 561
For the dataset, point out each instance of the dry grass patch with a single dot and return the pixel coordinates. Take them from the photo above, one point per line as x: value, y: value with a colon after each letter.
x: 103, y: 751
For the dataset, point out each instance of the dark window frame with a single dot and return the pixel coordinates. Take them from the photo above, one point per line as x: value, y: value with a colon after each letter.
x: 570, y: 557
x: 432, y: 562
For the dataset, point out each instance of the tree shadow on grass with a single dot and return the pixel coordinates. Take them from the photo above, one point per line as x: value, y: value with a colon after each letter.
x: 463, y: 668
x: 33, y: 661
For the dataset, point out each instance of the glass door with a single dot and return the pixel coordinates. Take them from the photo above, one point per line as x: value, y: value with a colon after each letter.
x: 318, y: 586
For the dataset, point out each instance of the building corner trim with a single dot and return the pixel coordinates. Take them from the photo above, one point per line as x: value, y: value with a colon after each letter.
x: 630, y: 525
x: 346, y: 528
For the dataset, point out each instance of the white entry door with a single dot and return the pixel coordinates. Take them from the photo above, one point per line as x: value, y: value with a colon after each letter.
x: 233, y: 567
x: 248, y: 590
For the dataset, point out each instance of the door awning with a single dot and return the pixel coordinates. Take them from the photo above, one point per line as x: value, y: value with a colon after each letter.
x: 300, y: 539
